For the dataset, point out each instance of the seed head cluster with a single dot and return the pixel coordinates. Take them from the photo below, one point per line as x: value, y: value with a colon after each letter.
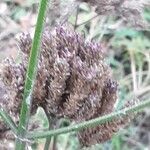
x: 73, y: 81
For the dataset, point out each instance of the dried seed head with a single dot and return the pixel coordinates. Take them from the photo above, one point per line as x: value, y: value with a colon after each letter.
x: 101, y: 133
x: 72, y: 81
x: 12, y: 78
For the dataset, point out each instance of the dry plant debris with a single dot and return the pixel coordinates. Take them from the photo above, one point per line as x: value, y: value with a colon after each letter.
x: 130, y: 11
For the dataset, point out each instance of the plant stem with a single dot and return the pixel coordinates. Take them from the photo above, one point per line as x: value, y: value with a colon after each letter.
x: 47, y: 143
x: 48, y: 139
x: 90, y: 123
x: 52, y: 125
x: 7, y: 119
x: 31, y: 75
x: 54, y: 142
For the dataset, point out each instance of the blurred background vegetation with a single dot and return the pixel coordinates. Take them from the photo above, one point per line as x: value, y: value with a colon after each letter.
x: 127, y: 52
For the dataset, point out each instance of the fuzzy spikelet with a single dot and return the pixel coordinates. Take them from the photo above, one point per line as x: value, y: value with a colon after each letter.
x: 13, y: 82
x: 73, y: 81
x: 102, y: 132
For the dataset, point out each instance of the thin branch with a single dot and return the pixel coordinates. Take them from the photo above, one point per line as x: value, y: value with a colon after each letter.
x: 76, y: 20
x: 85, y: 22
x: 48, y: 139
x: 7, y: 119
x: 133, y: 70
x: 90, y: 123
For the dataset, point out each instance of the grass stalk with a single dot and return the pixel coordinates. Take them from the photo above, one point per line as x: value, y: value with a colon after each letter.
x: 48, y: 139
x: 91, y: 123
x: 31, y: 75
x: 7, y: 119
x: 47, y: 143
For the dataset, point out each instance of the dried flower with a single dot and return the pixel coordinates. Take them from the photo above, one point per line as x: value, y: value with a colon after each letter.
x: 73, y: 81
x: 101, y: 133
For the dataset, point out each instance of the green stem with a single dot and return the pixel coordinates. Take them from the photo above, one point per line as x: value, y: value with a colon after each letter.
x: 7, y: 119
x: 47, y: 143
x: 54, y: 142
x: 31, y: 75
x: 90, y: 123
x: 48, y: 139
x: 52, y: 125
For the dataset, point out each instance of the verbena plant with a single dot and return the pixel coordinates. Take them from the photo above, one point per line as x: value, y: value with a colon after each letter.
x: 22, y: 135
